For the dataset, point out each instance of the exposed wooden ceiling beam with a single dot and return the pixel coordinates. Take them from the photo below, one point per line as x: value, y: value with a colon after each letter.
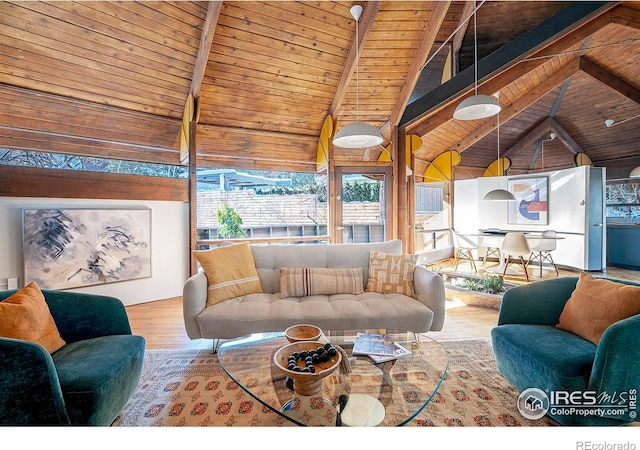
x: 427, y: 41
x: 565, y: 137
x: 540, y: 130
x: 623, y: 15
x: 556, y: 34
x: 208, y: 31
x: 607, y: 78
x: 459, y: 37
x: 364, y: 26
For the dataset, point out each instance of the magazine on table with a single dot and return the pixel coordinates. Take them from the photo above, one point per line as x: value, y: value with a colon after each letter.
x: 399, y: 352
x: 373, y: 344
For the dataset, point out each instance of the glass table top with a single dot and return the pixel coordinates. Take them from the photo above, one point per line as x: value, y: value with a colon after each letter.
x: 383, y: 394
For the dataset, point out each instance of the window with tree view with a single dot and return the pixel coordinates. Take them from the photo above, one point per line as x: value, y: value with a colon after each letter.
x: 623, y: 201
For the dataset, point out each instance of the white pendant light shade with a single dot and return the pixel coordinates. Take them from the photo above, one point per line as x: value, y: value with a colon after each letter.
x: 499, y: 194
x: 635, y: 173
x: 357, y: 135
x: 477, y: 107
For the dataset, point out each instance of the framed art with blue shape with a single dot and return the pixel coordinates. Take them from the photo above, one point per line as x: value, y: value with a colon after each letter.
x: 69, y: 248
x: 531, y: 206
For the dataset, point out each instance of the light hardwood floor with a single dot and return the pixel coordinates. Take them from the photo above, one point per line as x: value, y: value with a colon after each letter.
x: 161, y: 323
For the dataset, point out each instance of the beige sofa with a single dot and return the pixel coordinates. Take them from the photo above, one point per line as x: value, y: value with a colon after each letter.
x: 267, y: 311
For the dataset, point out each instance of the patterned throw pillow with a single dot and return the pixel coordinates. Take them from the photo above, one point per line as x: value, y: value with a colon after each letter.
x: 391, y: 273
x: 303, y: 281
x: 231, y: 272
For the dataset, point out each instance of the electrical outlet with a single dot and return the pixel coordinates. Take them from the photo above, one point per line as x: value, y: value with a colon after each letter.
x: 12, y: 283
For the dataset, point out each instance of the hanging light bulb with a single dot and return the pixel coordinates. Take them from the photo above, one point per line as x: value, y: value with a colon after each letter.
x: 478, y: 106
x: 357, y: 134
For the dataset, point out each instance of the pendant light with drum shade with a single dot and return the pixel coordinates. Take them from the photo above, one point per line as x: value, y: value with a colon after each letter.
x: 499, y: 194
x: 357, y: 134
x: 478, y: 106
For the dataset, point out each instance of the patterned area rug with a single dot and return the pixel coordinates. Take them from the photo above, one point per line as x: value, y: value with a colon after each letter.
x: 189, y: 388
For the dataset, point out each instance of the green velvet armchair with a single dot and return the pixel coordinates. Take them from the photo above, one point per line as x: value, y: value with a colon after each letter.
x: 532, y: 353
x: 86, y: 382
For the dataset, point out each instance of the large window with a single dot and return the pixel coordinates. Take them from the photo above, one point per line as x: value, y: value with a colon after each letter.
x: 432, y: 216
x: 623, y: 202
x: 44, y: 160
x: 261, y: 205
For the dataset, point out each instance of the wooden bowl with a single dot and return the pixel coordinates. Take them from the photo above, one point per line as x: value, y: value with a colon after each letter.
x: 303, y: 332
x: 305, y: 383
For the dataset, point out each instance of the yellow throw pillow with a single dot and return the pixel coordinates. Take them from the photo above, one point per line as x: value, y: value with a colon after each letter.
x: 596, y: 304
x: 304, y: 281
x: 391, y: 273
x: 231, y: 272
x: 25, y: 315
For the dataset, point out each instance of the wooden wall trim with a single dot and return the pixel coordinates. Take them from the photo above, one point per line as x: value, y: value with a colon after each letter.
x: 50, y: 183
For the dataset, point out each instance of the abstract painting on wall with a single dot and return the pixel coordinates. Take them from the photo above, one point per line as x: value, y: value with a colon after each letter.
x: 531, y: 206
x: 68, y: 248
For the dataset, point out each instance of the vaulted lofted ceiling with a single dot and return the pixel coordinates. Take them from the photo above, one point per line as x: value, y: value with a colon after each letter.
x: 112, y: 79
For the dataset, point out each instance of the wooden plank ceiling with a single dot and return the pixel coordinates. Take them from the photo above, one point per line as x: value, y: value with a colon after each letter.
x: 111, y: 79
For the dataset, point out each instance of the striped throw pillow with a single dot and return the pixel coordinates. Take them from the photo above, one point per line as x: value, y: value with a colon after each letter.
x: 391, y: 274
x: 304, y: 281
x: 231, y: 272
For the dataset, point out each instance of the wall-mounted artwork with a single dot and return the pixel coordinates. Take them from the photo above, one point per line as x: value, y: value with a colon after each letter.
x: 68, y: 248
x: 531, y: 206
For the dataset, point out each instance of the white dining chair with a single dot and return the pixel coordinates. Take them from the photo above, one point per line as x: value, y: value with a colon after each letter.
x: 463, y: 249
x: 541, y: 250
x: 492, y: 247
x: 515, y: 248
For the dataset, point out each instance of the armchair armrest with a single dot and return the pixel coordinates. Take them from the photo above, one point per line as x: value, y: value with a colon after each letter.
x: 616, y: 367
x: 539, y: 303
x: 29, y: 387
x: 85, y: 316
x: 194, y: 301
x: 429, y: 288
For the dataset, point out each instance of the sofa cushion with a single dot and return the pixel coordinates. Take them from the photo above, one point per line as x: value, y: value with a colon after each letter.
x: 391, y: 273
x: 543, y: 357
x: 270, y: 257
x: 595, y: 304
x: 269, y: 312
x: 25, y: 315
x: 302, y: 281
x: 98, y: 376
x: 231, y: 272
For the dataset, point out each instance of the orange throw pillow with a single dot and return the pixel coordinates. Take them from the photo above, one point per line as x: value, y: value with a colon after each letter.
x: 596, y: 304
x: 25, y: 315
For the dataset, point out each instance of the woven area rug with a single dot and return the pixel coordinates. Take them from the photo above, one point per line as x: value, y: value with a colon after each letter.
x: 189, y: 388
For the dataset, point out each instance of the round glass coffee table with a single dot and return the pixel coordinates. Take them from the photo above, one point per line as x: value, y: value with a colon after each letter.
x: 377, y: 394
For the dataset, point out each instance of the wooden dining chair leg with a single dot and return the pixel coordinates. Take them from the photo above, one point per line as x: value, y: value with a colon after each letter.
x: 524, y: 266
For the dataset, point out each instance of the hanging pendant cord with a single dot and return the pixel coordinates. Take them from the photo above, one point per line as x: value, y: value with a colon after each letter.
x: 357, y: 73
x: 475, y: 45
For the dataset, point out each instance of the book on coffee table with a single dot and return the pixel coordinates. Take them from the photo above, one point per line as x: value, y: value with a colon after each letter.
x: 399, y: 352
x: 373, y: 344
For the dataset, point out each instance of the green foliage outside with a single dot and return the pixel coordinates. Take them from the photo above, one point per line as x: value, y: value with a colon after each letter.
x: 493, y: 284
x: 230, y: 223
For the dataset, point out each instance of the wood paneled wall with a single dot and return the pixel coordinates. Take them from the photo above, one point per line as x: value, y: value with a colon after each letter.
x: 48, y: 183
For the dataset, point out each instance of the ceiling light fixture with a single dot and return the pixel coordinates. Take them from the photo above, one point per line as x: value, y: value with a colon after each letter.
x: 635, y: 173
x: 499, y: 194
x: 478, y: 106
x: 357, y: 134
x: 612, y: 123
